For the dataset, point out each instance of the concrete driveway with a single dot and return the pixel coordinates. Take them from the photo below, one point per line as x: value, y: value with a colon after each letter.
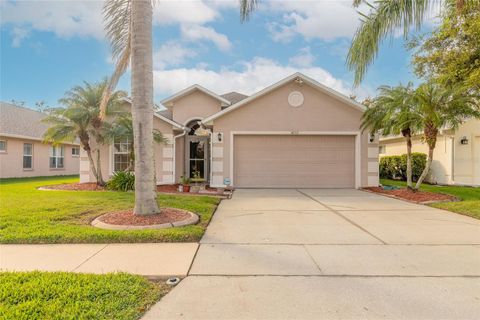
x: 333, y: 254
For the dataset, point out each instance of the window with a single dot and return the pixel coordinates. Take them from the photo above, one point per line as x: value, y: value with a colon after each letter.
x: 3, y: 146
x: 56, y: 157
x: 382, y: 149
x: 27, y: 156
x: 122, y: 149
x: 75, y: 152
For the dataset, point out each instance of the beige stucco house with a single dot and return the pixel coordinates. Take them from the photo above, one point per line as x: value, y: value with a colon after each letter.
x: 22, y: 153
x: 296, y: 133
x: 456, y: 158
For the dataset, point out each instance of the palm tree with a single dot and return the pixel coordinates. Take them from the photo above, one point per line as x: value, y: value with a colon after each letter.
x: 440, y: 108
x: 129, y: 30
x: 80, y: 119
x: 385, y: 18
x: 393, y: 112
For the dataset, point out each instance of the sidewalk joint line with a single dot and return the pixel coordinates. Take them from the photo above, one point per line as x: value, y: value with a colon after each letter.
x: 342, y: 216
x: 93, y: 255
x: 310, y: 255
x: 193, y: 259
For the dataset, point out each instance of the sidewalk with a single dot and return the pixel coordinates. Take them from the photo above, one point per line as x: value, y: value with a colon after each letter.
x: 147, y: 259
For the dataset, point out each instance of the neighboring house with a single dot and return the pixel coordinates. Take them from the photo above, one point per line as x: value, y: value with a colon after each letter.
x: 22, y: 153
x: 456, y: 158
x: 296, y: 133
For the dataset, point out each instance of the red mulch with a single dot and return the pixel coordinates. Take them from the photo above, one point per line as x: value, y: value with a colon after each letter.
x: 127, y: 217
x: 419, y: 196
x: 87, y: 186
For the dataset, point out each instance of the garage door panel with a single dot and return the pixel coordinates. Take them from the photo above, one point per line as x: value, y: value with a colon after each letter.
x: 294, y: 161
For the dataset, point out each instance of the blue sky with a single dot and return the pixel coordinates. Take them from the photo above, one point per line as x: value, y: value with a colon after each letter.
x: 49, y: 46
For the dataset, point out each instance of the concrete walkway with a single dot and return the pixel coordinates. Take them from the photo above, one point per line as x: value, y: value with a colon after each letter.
x: 148, y: 259
x: 330, y: 254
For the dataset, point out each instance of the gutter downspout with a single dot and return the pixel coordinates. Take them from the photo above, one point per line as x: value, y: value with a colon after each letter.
x: 175, y: 152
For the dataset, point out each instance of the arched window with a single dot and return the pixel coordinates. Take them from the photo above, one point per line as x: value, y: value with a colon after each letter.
x: 193, y: 125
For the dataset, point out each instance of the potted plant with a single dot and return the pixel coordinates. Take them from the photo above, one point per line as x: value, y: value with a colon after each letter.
x: 185, y: 183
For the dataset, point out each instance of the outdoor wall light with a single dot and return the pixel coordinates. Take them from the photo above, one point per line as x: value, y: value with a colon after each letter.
x: 464, y: 140
x: 219, y: 137
x: 372, y: 137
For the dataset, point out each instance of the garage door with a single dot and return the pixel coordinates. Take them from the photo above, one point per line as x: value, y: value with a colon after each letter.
x: 273, y: 161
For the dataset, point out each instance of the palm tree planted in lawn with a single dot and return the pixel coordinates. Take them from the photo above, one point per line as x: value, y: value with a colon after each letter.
x: 393, y: 111
x: 442, y: 108
x: 80, y: 119
x: 385, y: 18
x: 129, y: 30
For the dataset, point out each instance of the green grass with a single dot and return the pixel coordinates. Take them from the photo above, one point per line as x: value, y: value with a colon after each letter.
x: 469, y: 196
x: 28, y: 215
x: 62, y: 295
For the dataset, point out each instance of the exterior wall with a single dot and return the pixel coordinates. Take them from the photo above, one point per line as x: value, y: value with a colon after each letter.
x: 196, y: 105
x: 272, y: 113
x: 163, y: 155
x: 467, y: 157
x: 453, y: 163
x: 11, y: 161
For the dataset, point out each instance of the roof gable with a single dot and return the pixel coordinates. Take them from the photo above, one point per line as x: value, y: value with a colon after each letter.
x: 294, y: 77
x: 169, y: 101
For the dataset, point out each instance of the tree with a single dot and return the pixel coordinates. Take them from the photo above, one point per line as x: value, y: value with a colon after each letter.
x: 441, y: 108
x: 129, y: 30
x: 80, y: 119
x: 451, y: 53
x: 393, y: 112
x: 385, y: 18
x: 122, y: 127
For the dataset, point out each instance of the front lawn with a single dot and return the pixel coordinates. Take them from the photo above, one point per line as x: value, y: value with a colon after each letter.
x: 28, y: 215
x: 62, y: 295
x: 469, y: 196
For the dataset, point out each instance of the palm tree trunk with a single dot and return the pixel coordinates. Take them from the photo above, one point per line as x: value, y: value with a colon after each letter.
x: 430, y: 133
x: 92, y: 163
x: 408, y: 139
x: 100, y: 180
x: 142, y: 107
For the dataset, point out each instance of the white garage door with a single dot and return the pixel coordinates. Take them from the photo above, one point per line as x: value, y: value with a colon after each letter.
x: 273, y: 161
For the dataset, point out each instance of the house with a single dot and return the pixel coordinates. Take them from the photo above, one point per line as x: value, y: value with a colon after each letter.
x: 22, y: 152
x: 456, y: 158
x: 296, y: 133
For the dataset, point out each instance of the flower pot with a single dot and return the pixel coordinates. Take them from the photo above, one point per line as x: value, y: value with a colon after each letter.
x: 186, y: 188
x: 180, y: 188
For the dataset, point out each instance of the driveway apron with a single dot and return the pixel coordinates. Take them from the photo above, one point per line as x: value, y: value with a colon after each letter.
x: 333, y: 254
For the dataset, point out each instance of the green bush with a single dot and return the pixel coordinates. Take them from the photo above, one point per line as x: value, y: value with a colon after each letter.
x: 395, y: 167
x: 121, y: 181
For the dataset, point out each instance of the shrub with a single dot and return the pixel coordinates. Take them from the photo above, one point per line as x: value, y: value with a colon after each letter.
x: 395, y: 167
x: 122, y: 181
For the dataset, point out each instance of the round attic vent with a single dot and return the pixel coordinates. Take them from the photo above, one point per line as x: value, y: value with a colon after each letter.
x: 295, y: 99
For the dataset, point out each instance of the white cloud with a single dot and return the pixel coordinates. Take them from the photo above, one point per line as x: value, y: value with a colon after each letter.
x: 325, y: 20
x: 64, y: 18
x: 196, y: 33
x: 171, y: 54
x: 254, y: 76
x: 304, y: 58
x: 18, y: 34
x: 184, y: 11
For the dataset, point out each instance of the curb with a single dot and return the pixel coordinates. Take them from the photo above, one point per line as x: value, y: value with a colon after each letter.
x: 193, y: 219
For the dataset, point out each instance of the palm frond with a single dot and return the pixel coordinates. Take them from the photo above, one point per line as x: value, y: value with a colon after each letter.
x: 246, y: 9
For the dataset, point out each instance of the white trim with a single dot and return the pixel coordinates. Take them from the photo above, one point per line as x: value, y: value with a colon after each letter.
x: 174, y: 174
x: 186, y: 91
x: 308, y: 80
x: 356, y: 134
x: 19, y: 136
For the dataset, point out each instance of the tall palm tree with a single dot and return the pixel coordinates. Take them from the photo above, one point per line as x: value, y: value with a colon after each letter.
x: 80, y: 119
x: 129, y: 29
x: 440, y: 108
x: 385, y: 18
x: 393, y: 112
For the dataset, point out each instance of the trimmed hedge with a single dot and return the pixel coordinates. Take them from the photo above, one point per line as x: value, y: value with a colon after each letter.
x: 395, y: 167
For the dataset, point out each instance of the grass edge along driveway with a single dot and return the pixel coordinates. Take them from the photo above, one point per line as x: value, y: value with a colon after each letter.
x: 468, y: 205
x: 63, y: 295
x: 28, y: 215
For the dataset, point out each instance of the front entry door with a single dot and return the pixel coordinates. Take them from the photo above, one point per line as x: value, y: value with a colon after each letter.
x: 197, y: 157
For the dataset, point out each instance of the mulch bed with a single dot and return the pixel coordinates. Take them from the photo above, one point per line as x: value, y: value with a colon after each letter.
x: 419, y: 196
x: 87, y: 186
x: 127, y: 217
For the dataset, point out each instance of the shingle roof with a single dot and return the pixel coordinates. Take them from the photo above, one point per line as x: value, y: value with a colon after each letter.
x: 166, y: 113
x: 234, y: 97
x: 20, y: 121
